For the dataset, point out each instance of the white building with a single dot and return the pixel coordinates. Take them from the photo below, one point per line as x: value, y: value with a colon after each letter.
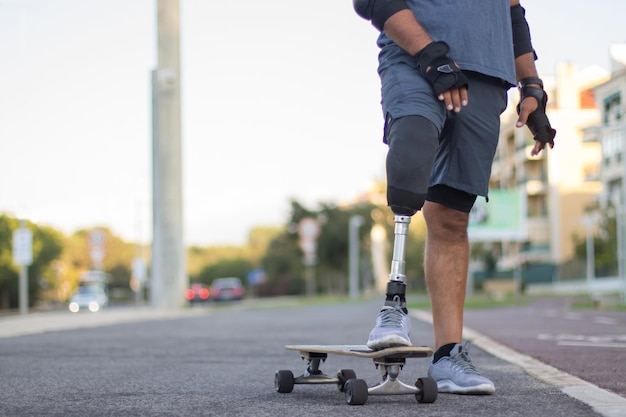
x: 559, y: 184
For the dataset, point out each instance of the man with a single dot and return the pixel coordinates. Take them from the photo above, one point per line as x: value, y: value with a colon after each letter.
x: 445, y: 68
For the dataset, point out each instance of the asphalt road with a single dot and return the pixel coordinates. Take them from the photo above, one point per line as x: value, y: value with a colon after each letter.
x: 590, y: 344
x: 221, y: 362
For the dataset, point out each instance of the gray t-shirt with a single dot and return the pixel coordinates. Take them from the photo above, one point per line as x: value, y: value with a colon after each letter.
x: 478, y: 32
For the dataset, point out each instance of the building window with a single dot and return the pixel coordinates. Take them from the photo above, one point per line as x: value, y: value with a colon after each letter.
x: 612, y: 109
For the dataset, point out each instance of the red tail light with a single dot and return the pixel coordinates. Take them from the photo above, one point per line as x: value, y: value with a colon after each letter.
x: 203, y: 293
x: 189, y: 294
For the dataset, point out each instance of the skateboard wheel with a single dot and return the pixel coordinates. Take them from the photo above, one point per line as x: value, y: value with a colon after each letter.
x: 356, y: 391
x: 283, y: 381
x: 426, y: 390
x: 344, y: 375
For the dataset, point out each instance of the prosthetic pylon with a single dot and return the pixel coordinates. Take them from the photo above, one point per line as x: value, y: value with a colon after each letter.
x: 397, y: 278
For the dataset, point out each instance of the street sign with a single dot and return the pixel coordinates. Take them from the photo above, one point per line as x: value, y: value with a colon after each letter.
x: 97, y: 240
x: 22, y: 247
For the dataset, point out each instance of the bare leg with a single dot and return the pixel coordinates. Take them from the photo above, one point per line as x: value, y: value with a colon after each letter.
x: 446, y: 263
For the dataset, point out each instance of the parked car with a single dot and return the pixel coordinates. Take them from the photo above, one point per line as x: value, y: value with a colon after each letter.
x: 197, y: 293
x: 91, y: 297
x: 226, y: 289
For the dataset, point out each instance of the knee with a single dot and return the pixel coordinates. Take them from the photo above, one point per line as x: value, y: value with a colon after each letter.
x: 444, y: 222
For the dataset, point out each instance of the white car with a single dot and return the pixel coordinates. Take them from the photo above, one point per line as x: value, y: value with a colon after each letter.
x: 91, y: 297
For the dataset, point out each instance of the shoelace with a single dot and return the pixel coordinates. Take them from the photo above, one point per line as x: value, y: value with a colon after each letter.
x: 463, y: 361
x: 392, y: 316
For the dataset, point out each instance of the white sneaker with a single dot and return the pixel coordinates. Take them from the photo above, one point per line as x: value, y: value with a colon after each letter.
x: 455, y: 374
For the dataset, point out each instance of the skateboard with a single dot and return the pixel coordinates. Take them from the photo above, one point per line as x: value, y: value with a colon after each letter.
x: 390, y: 361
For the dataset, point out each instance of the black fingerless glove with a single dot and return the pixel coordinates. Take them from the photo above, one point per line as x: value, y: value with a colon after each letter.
x: 537, y: 122
x: 438, y: 69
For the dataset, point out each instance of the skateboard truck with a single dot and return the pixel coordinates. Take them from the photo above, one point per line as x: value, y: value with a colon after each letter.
x: 312, y: 374
x: 390, y: 370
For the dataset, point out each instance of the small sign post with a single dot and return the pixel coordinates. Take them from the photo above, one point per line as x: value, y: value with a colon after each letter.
x: 23, y: 256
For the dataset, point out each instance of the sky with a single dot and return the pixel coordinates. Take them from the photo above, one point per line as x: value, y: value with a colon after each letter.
x: 280, y: 101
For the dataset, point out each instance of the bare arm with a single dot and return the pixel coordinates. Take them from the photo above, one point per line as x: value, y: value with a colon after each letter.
x: 404, y: 29
x: 525, y: 68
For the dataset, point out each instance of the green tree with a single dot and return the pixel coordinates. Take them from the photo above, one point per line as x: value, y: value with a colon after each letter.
x: 283, y: 267
x: 604, y: 244
x: 117, y: 261
x: 230, y: 267
x: 283, y: 260
x: 47, y: 246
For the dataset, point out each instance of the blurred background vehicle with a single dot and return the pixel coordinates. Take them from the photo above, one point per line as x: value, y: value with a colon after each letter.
x: 197, y: 293
x: 227, y: 289
x: 90, y: 297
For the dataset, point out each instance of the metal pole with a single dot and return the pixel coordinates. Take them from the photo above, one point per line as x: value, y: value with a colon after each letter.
x: 619, y: 231
x: 353, y: 244
x: 23, y: 289
x: 619, y: 237
x: 311, y: 285
x: 621, y: 227
x: 588, y: 221
x: 169, y: 270
x: 23, y: 256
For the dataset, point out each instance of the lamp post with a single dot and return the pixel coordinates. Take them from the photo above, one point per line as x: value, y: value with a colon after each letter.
x: 589, y: 222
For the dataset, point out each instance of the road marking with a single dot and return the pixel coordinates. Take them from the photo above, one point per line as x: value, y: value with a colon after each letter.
x: 579, y: 340
x: 605, y: 320
x: 591, y: 344
x: 604, y: 402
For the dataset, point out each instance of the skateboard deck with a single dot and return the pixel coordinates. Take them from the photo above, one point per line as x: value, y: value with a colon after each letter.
x: 362, y: 351
x: 390, y: 361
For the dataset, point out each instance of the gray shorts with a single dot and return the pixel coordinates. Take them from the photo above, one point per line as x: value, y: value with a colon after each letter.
x: 468, y: 139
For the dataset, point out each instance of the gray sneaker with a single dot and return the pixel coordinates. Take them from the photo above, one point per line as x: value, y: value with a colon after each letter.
x: 392, y: 328
x: 456, y: 374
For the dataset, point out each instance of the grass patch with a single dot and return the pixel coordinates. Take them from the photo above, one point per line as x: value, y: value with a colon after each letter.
x: 609, y: 302
x: 478, y: 301
x: 301, y: 301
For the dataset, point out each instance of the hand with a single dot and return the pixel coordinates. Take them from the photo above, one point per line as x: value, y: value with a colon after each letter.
x: 444, y: 75
x: 454, y: 98
x: 532, y: 113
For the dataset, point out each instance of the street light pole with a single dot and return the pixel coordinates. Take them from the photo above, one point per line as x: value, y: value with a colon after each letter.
x: 169, y: 270
x: 588, y: 221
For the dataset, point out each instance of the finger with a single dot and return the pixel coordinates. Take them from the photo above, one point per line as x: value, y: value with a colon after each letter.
x: 528, y: 106
x: 452, y: 99
x: 455, y: 95
x: 464, y: 96
x: 446, y: 97
x: 537, y: 148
